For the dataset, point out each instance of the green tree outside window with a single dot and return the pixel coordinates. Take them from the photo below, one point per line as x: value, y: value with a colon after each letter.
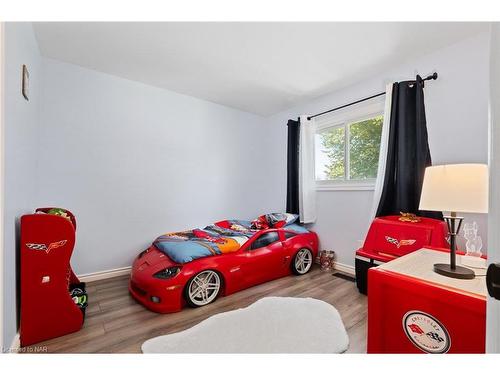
x: 363, y: 147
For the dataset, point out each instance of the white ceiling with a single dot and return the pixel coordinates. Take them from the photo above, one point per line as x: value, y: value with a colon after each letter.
x: 261, y: 68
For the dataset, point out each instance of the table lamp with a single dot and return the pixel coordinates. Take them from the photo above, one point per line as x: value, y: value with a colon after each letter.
x: 455, y: 188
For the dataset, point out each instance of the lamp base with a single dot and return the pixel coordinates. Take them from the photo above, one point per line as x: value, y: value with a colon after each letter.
x: 457, y: 273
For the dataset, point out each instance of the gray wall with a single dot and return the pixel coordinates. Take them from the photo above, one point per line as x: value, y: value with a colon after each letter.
x: 457, y: 121
x: 133, y: 161
x: 21, y: 126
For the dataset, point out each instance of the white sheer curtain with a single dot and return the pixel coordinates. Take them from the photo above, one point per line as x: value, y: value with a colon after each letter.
x: 307, y: 190
x: 382, y: 159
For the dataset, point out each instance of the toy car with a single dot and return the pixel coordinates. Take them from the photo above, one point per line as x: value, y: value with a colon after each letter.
x: 164, y: 285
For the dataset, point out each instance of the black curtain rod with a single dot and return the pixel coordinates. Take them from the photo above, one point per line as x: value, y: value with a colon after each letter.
x: 430, y: 77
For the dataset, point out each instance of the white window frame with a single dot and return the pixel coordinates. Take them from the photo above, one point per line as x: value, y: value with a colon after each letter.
x: 345, y: 117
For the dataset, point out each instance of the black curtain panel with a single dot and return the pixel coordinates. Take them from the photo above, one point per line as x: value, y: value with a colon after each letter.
x: 408, y: 152
x: 292, y: 181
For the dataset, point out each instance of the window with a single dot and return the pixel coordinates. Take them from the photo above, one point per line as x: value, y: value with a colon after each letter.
x: 289, y: 235
x: 346, y: 148
x: 265, y: 240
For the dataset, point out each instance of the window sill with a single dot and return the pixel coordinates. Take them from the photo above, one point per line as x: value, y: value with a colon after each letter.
x: 346, y: 187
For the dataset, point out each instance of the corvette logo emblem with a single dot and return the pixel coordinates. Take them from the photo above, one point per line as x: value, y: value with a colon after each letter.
x: 44, y: 247
x: 426, y: 332
x: 399, y: 243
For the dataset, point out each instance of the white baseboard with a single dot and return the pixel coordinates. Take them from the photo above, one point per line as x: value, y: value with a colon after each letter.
x: 345, y: 268
x: 101, y: 275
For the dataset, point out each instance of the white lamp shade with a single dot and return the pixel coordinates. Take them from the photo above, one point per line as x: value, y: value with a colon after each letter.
x: 455, y: 187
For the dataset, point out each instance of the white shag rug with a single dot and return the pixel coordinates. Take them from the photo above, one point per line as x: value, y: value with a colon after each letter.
x: 270, y: 325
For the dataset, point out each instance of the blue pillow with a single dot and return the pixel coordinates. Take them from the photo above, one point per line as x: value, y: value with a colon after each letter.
x: 186, y: 251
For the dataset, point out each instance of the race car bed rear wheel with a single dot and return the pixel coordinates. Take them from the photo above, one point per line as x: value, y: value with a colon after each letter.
x: 302, y: 261
x: 203, y: 288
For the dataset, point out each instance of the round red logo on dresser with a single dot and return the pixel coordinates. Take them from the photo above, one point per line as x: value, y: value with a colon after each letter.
x: 426, y: 332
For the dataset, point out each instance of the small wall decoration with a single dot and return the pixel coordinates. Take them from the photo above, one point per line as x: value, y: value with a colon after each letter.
x: 25, y: 85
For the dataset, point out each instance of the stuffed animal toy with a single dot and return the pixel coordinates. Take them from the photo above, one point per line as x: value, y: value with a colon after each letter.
x: 59, y: 212
x: 409, y: 217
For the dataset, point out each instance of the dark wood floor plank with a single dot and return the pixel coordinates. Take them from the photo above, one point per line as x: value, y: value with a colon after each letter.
x: 116, y: 323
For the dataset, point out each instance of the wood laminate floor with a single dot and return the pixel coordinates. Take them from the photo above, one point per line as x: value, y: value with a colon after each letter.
x: 116, y: 323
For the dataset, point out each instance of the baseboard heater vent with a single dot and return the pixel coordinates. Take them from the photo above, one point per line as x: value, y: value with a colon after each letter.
x: 344, y: 276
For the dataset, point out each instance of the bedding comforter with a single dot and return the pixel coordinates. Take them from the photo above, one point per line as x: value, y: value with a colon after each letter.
x: 183, y: 247
x: 219, y: 238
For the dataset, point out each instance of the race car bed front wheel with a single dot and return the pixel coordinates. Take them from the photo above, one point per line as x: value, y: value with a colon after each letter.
x: 302, y: 261
x: 203, y: 288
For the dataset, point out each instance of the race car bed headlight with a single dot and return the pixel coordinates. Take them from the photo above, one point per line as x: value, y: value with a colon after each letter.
x: 167, y: 273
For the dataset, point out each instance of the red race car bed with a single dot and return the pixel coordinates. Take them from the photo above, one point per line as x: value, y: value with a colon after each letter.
x: 194, y: 267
